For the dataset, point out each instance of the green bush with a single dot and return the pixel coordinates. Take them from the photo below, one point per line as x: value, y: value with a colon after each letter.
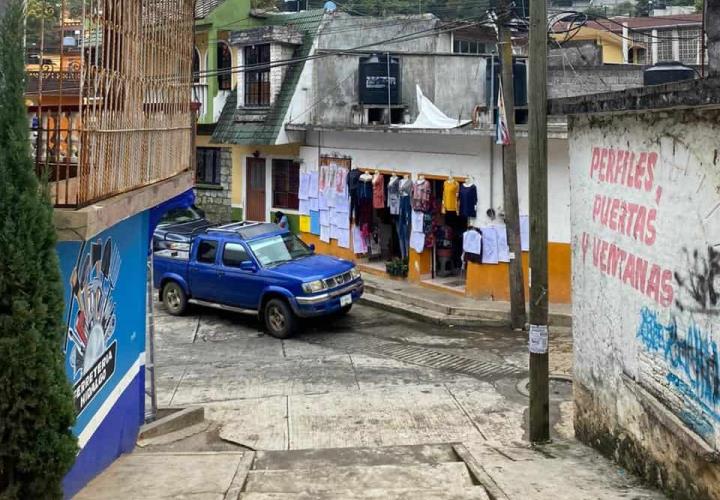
x: 37, y: 447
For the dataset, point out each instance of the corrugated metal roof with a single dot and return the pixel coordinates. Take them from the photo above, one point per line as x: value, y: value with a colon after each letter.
x: 204, y: 7
x: 228, y: 130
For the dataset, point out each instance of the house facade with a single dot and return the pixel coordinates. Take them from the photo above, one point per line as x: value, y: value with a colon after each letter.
x: 113, y: 136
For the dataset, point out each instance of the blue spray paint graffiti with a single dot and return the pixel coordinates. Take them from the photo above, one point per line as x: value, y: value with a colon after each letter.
x: 693, y: 359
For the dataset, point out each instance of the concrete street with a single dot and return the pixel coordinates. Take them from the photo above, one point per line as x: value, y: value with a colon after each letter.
x: 371, y: 379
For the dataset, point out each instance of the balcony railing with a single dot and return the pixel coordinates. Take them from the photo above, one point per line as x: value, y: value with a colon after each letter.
x: 118, y: 116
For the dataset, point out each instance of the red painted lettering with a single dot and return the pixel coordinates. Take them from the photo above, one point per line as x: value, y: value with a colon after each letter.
x: 610, y: 170
x: 629, y: 271
x: 666, y: 298
x: 597, y: 207
x: 612, y: 223
x: 595, y: 162
x: 653, y: 285
x: 603, y: 256
x: 640, y: 171
x: 603, y: 163
x: 639, y: 229
x: 641, y: 266
x: 651, y: 234
x: 650, y: 179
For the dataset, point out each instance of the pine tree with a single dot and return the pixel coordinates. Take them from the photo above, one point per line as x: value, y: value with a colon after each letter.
x: 37, y: 447
x: 642, y: 8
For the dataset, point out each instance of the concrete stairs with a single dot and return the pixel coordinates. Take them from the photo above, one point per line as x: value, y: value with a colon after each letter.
x: 442, y: 308
x: 421, y: 472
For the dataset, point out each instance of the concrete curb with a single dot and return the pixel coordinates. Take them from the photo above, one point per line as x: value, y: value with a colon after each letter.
x: 429, y: 316
x: 173, y: 421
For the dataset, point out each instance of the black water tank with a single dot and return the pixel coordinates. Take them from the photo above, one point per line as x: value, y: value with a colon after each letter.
x: 374, y: 78
x: 667, y: 72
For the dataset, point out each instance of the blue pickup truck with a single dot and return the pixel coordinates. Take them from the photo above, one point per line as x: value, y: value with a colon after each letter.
x: 257, y: 268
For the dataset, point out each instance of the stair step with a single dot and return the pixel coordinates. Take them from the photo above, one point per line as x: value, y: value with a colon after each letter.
x: 468, y: 493
x: 339, y: 457
x: 484, y: 318
x: 422, y: 476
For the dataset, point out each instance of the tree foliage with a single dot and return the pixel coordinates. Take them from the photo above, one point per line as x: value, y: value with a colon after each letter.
x: 37, y: 447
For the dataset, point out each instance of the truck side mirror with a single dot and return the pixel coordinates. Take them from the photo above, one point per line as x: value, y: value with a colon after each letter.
x: 248, y: 265
x: 311, y: 246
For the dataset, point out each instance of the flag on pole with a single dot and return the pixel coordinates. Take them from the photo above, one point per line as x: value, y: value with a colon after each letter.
x: 502, y: 134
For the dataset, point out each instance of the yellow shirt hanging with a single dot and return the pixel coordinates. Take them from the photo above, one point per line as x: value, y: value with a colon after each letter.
x: 450, y: 196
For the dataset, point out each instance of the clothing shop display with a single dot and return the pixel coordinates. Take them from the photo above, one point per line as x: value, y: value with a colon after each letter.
x: 378, y: 184
x: 468, y: 200
x: 403, y: 225
x: 393, y: 195
x: 353, y: 183
x: 421, y: 195
x: 417, y: 242
x: 406, y: 187
x: 450, y: 196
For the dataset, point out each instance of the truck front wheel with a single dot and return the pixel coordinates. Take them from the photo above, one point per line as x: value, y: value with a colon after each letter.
x: 280, y: 321
x: 174, y: 298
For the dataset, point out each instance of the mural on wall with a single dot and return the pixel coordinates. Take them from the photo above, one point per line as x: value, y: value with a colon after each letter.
x: 92, y: 320
x: 646, y: 221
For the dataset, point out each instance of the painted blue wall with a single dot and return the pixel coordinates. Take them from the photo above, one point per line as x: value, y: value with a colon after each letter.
x: 105, y: 282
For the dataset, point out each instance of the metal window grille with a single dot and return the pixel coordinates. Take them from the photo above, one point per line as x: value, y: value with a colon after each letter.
x: 208, y: 166
x: 257, y: 81
x: 689, y: 45
x: 665, y: 45
x: 642, y: 47
x: 286, y: 184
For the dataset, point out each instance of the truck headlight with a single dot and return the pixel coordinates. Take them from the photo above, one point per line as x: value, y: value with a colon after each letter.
x: 354, y: 273
x: 314, y: 286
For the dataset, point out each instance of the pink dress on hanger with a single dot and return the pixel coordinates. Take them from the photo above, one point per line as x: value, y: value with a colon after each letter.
x: 378, y: 191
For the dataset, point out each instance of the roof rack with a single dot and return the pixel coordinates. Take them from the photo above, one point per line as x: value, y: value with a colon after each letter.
x: 247, y: 229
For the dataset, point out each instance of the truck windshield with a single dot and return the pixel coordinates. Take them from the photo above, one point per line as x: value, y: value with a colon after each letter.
x: 278, y: 249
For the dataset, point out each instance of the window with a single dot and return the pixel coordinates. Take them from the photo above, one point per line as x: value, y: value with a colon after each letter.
x: 208, y: 166
x: 196, y: 66
x: 664, y: 45
x: 461, y: 46
x: 278, y: 249
x: 206, y: 251
x: 689, y: 45
x: 285, y: 184
x: 257, y: 78
x: 234, y: 254
x: 224, y: 66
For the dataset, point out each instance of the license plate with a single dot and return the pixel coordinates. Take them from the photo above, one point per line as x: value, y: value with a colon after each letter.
x: 346, y: 300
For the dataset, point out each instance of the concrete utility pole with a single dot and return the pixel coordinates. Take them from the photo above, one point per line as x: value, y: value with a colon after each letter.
x: 537, y: 161
x: 510, y: 187
x: 712, y: 30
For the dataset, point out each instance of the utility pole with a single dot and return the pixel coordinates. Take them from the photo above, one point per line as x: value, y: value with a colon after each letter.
x: 510, y: 186
x: 537, y: 162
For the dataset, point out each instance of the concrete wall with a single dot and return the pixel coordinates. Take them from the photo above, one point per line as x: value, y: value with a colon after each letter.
x: 572, y: 81
x: 455, y: 84
x: 646, y: 272
x: 343, y: 32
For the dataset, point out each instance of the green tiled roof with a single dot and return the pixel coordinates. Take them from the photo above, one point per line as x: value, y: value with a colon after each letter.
x: 228, y: 131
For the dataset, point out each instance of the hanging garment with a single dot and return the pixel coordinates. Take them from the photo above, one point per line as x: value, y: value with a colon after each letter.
x: 421, y: 195
x: 406, y: 187
x: 472, y: 246
x: 403, y: 223
x: 393, y: 195
x: 378, y: 184
x: 353, y: 181
x: 468, y: 201
x: 417, y: 242
x: 402, y: 241
x: 450, y: 196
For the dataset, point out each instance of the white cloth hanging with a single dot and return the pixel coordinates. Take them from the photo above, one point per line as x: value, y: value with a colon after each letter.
x: 430, y: 116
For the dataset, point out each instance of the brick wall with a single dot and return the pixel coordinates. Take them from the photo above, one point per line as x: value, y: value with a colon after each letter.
x: 580, y: 80
x: 215, y: 200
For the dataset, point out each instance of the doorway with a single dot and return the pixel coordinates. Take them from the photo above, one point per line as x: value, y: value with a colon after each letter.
x: 255, y: 194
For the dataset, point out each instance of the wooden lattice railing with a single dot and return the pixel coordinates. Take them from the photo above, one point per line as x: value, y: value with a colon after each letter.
x: 118, y: 116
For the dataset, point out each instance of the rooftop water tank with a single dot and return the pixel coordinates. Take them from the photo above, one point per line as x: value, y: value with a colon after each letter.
x: 667, y: 72
x: 376, y: 74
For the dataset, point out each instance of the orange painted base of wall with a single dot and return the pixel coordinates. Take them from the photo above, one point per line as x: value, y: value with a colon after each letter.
x: 490, y: 281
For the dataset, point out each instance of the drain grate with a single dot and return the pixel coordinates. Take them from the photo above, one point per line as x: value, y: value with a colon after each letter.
x: 422, y: 356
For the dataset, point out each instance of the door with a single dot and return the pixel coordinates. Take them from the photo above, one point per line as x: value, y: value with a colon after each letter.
x: 255, y: 197
x: 204, y: 272
x: 242, y: 286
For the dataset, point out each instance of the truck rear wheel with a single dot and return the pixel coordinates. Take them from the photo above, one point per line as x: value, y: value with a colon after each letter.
x: 174, y: 298
x: 280, y: 321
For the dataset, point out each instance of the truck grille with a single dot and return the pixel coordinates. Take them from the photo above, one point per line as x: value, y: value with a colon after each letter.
x: 338, y: 280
